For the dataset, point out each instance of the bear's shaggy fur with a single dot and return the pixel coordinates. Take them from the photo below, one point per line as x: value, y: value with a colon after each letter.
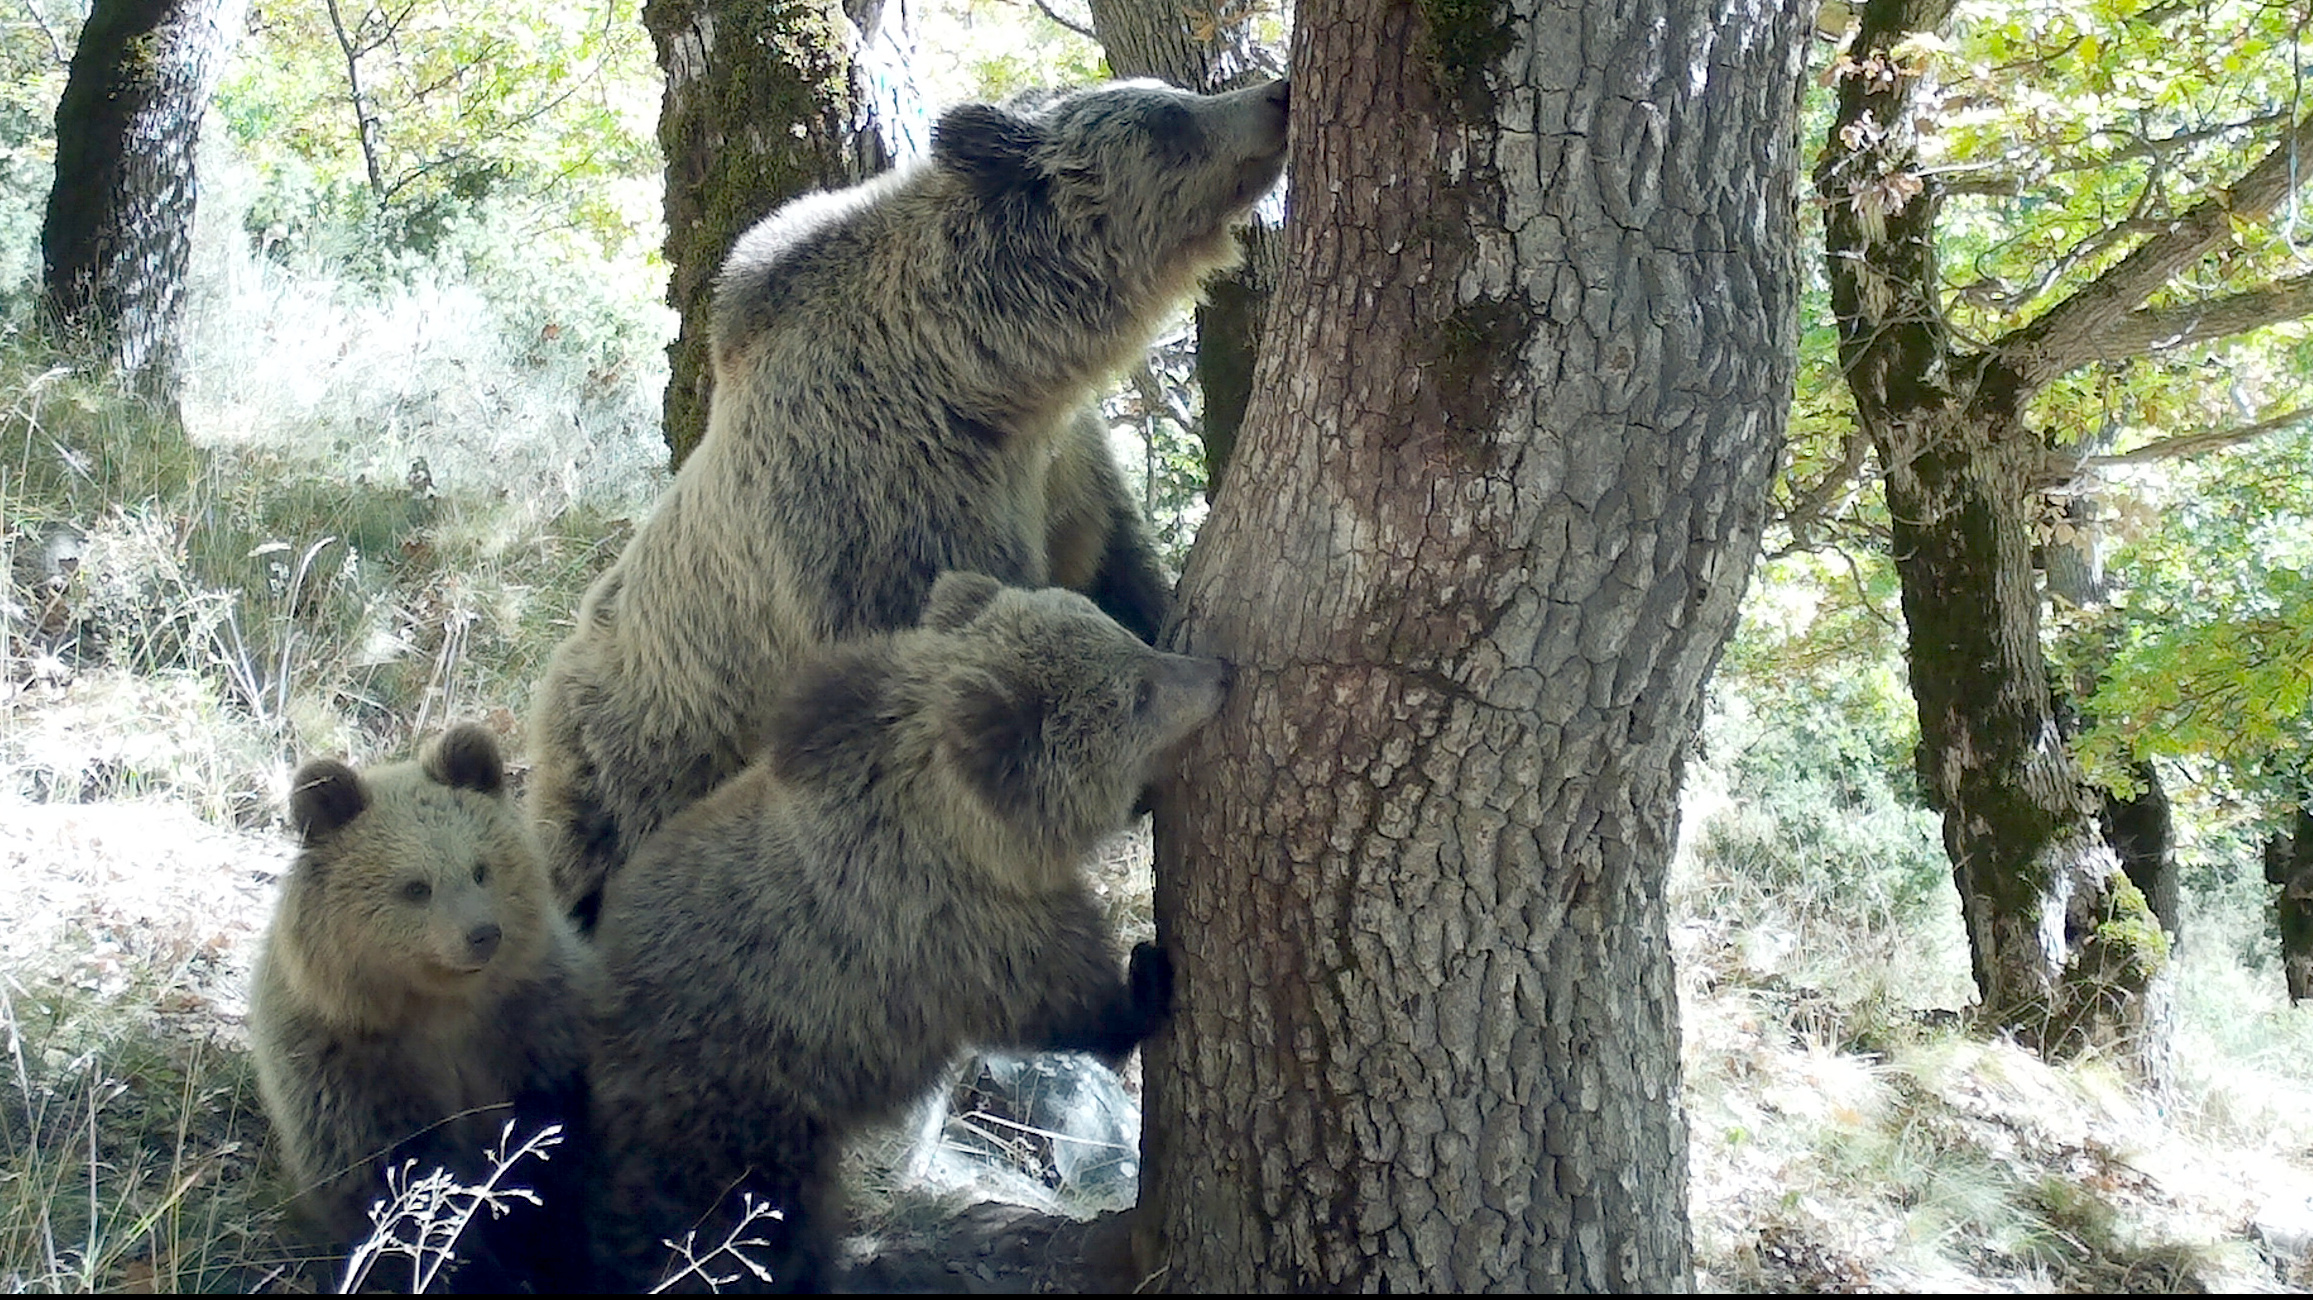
x: 420, y: 987
x: 900, y: 878
x: 900, y: 374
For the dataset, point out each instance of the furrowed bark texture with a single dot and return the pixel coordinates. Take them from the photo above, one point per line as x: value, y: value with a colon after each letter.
x: 2065, y: 952
x: 118, y: 232
x: 763, y: 102
x: 1493, y: 509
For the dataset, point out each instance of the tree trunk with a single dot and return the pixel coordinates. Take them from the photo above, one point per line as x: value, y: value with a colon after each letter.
x: 1155, y: 38
x: 763, y: 102
x: 2142, y: 831
x: 2136, y: 825
x: 118, y: 232
x: 2289, y: 865
x: 2065, y: 952
x: 1496, y: 500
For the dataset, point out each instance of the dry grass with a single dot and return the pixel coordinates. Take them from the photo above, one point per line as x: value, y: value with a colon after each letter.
x: 1848, y: 1134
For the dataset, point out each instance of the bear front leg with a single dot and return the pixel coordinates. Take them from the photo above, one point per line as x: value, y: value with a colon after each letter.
x: 1112, y: 1029
x: 1068, y: 997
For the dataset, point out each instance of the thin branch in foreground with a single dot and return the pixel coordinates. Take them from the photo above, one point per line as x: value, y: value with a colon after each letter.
x: 696, y: 1265
x: 424, y: 1216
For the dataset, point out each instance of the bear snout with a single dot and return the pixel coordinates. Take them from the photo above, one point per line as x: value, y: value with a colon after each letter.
x: 1189, y: 692
x: 482, y: 942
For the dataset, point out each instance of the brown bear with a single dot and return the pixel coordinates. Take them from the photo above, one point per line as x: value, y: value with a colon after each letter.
x: 900, y: 374
x: 899, y: 878
x: 419, y: 988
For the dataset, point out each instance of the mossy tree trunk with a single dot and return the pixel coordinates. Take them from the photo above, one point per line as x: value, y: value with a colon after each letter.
x: 1206, y: 52
x: 1493, y: 509
x: 118, y: 234
x: 763, y: 102
x: 2065, y: 949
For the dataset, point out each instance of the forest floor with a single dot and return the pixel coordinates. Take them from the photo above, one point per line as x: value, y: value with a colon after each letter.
x: 1830, y: 1152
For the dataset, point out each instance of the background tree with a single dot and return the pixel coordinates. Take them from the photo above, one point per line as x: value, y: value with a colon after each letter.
x: 1484, y: 536
x: 118, y: 232
x: 406, y: 115
x: 763, y: 102
x: 1207, y: 51
x: 1968, y: 434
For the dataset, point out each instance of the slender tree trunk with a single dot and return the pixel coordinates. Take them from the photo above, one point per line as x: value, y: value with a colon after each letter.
x: 118, y: 232
x: 2137, y: 825
x: 365, y: 124
x: 2289, y: 865
x: 1495, y: 504
x: 1207, y: 52
x: 763, y: 102
x: 2064, y: 953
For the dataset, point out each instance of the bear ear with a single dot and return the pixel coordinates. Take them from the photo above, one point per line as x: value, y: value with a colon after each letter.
x: 466, y: 758
x: 324, y: 795
x: 828, y: 713
x: 997, y: 738
x: 993, y: 149
x: 958, y: 598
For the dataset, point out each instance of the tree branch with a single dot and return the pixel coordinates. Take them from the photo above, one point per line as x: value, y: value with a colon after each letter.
x: 55, y: 45
x: 2194, y: 444
x: 2155, y: 329
x: 1990, y: 179
x: 2066, y: 336
x: 1081, y: 29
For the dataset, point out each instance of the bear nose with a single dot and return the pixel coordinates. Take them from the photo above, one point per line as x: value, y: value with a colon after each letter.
x: 1281, y: 94
x: 482, y: 941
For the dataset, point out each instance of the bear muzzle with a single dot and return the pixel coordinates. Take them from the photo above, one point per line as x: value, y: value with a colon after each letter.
x: 482, y: 944
x: 1249, y: 125
x: 1189, y: 691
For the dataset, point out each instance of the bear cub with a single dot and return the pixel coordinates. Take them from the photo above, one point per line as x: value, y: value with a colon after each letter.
x: 418, y: 988
x: 897, y: 879
x: 902, y: 371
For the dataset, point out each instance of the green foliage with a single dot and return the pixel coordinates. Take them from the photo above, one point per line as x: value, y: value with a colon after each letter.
x: 2213, y: 631
x: 547, y: 105
x: 1156, y: 426
x: 1827, y: 812
x: 36, y: 39
x: 994, y: 49
x: 2065, y: 131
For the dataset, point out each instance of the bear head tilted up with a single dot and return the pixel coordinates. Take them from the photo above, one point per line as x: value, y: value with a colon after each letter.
x: 902, y: 375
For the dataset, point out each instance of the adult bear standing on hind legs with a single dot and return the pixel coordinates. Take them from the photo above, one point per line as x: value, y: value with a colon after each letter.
x: 900, y: 369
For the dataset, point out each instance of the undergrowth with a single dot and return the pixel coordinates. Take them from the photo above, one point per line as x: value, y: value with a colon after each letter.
x: 128, y: 1148
x: 1851, y: 1132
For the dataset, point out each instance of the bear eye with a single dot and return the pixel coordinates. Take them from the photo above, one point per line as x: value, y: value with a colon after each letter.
x: 481, y: 872
x: 1144, y: 697
x: 1178, y: 138
x: 417, y: 891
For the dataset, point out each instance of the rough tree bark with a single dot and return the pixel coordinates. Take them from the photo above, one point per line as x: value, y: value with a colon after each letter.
x: 2137, y: 825
x: 1493, y: 509
x: 118, y: 231
x: 1207, y: 52
x: 763, y: 102
x: 2064, y: 949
